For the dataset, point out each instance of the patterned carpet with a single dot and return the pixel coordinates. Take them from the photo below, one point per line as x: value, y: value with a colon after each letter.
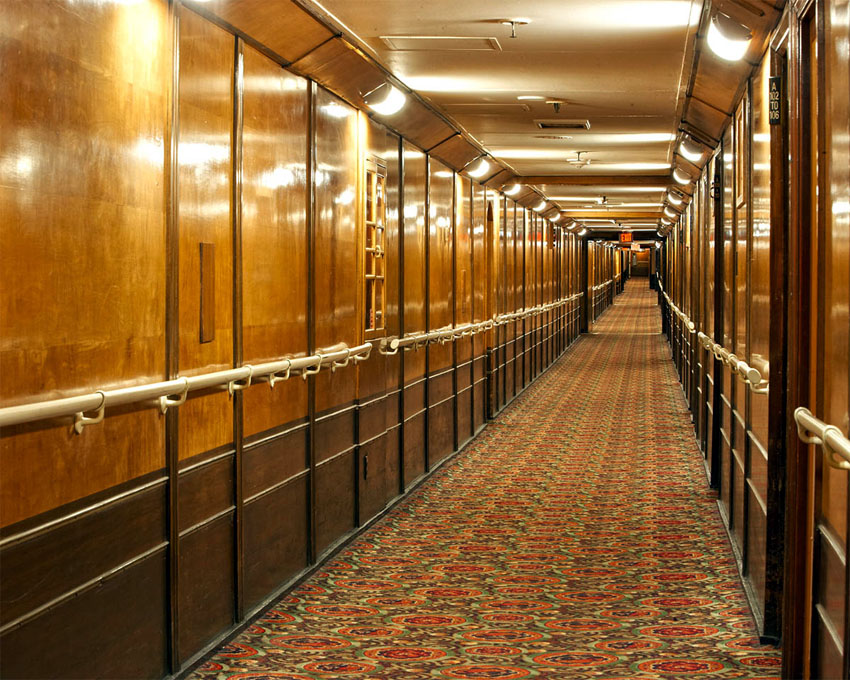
x: 574, y: 538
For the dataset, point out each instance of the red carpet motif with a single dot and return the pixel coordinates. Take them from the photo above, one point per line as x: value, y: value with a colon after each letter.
x: 576, y: 537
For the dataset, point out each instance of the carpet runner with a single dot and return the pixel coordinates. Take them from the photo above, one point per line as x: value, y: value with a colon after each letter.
x: 576, y: 537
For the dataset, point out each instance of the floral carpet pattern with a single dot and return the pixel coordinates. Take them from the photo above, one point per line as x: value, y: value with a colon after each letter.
x: 576, y: 537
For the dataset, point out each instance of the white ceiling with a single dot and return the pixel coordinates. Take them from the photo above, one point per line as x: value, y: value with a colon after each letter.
x: 621, y: 64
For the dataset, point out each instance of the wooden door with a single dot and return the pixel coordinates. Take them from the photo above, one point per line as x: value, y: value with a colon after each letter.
x: 819, y: 377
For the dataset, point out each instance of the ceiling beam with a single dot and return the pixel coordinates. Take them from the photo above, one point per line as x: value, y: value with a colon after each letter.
x: 598, y: 180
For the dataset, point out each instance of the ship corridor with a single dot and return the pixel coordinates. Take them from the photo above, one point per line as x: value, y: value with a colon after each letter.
x: 401, y: 339
x: 575, y: 537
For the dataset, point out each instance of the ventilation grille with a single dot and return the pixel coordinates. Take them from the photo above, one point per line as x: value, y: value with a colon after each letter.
x: 562, y: 124
x: 442, y: 42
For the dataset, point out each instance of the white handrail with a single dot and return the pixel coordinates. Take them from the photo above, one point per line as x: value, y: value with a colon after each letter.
x: 812, y: 430
x: 172, y: 393
x: 391, y: 345
x: 749, y: 375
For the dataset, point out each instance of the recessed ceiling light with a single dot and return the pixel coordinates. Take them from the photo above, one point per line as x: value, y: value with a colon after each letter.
x: 512, y: 190
x: 540, y: 206
x: 670, y: 213
x: 675, y: 200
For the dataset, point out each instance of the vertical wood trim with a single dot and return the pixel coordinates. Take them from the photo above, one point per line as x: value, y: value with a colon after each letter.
x: 583, y: 281
x: 401, y: 322
x: 776, y: 463
x: 172, y: 335
x: 238, y: 422
x: 455, y: 299
x: 717, y: 331
x: 311, y: 318
x: 471, y: 224
x: 427, y: 387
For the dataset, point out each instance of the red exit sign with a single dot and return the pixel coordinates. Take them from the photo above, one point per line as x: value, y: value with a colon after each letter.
x: 625, y: 237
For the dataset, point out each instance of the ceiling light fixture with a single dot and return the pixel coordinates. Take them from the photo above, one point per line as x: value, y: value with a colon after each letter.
x: 691, y: 153
x: 540, y: 206
x: 727, y: 38
x: 670, y: 213
x: 681, y: 177
x: 385, y: 100
x: 480, y: 169
x: 512, y: 190
x: 513, y: 23
x: 675, y: 200
x: 530, y: 98
x: 582, y: 232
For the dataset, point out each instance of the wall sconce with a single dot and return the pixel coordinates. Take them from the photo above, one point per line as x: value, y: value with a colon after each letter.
x: 727, y: 38
x: 385, y: 100
x: 479, y: 168
x: 689, y: 151
x: 681, y: 177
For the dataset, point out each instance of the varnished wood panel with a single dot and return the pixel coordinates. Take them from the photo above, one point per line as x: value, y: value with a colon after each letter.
x: 414, y: 448
x: 335, y: 500
x: 334, y: 433
x: 51, y: 563
x: 372, y: 418
x: 373, y: 480
x: 395, y: 285
x: 275, y: 538
x: 340, y: 67
x: 440, y: 430
x: 205, y: 106
x: 205, y: 598
x: 272, y: 461
x: 274, y: 235
x: 280, y: 25
x: 336, y: 310
x: 464, y: 415
x: 73, y: 318
x: 205, y: 489
x: 456, y: 152
x: 415, y: 263
x: 131, y: 599
x: 441, y: 292
x: 414, y: 397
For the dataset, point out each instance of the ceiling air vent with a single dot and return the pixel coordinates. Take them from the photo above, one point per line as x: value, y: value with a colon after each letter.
x: 563, y: 124
x: 451, y: 43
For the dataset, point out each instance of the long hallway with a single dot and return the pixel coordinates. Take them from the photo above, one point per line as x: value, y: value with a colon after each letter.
x: 575, y: 537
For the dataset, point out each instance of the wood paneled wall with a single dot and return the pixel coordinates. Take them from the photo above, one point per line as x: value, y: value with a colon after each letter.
x: 759, y: 263
x: 184, y: 204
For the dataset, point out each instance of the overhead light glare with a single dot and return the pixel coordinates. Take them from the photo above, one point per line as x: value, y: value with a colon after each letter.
x: 582, y: 232
x: 669, y: 213
x: 512, y: 190
x: 675, y: 200
x: 530, y: 98
x: 689, y: 152
x: 540, y: 206
x: 727, y: 38
x: 385, y: 100
x: 680, y: 177
x: 480, y: 169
